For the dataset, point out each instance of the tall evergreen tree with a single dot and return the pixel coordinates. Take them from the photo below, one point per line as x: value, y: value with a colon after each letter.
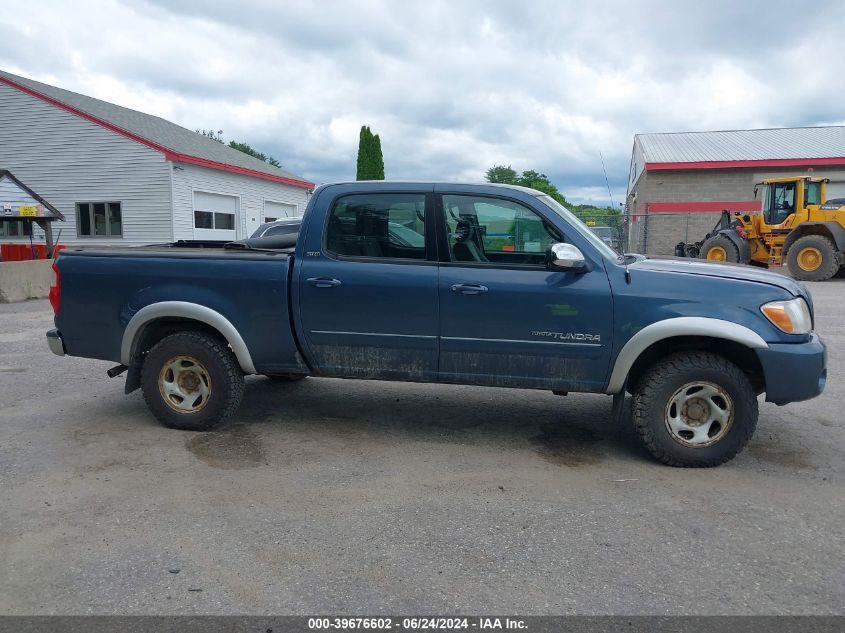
x: 370, y: 164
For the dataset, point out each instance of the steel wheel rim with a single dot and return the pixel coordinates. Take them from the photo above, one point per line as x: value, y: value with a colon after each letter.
x: 699, y: 414
x: 809, y: 258
x: 184, y: 384
x: 717, y: 253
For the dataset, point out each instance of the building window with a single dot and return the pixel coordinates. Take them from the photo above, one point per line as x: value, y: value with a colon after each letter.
x: 211, y: 220
x: 99, y: 219
x: 15, y: 228
x: 215, y: 212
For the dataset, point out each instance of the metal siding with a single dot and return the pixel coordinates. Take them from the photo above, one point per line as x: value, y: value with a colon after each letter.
x: 731, y: 145
x: 67, y: 159
x: 152, y: 128
x: 251, y: 191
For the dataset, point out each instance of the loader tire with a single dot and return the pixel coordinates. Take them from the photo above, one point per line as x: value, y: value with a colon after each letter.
x: 720, y: 248
x: 192, y: 381
x: 813, y: 258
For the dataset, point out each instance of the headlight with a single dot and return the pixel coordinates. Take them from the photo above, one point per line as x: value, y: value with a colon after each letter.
x: 792, y: 317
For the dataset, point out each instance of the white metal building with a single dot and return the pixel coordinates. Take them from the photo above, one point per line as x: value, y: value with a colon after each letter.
x: 121, y: 176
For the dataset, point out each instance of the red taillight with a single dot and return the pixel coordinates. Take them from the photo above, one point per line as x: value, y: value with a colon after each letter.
x: 55, y: 289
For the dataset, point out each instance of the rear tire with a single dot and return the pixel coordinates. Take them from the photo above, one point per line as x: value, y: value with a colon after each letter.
x: 192, y: 381
x: 720, y: 248
x: 694, y: 409
x: 813, y: 258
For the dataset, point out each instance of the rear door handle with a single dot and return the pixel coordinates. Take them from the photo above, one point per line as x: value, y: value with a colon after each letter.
x: 323, y: 282
x: 469, y: 289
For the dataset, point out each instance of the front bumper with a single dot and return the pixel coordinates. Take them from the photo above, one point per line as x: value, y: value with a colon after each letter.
x: 794, y: 371
x: 55, y: 342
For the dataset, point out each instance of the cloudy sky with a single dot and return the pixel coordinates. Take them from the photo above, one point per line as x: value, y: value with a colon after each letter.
x: 451, y: 87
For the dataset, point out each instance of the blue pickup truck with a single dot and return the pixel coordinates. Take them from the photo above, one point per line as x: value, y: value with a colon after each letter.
x: 451, y: 283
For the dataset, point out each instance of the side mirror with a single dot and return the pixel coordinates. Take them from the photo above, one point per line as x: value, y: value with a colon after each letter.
x: 566, y: 257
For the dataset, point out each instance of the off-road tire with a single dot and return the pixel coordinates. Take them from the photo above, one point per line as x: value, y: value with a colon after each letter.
x: 723, y: 242
x: 286, y: 377
x: 829, y: 265
x: 655, y: 389
x: 224, y: 372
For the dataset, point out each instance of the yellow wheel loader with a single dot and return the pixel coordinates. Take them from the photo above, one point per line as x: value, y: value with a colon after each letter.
x: 794, y: 225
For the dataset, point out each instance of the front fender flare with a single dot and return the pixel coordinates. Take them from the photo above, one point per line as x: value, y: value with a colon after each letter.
x: 184, y: 310
x: 677, y: 326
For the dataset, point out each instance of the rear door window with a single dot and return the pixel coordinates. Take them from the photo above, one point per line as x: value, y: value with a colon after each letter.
x: 378, y: 225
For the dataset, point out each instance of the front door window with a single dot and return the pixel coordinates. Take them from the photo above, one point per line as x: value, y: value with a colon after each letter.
x: 782, y: 202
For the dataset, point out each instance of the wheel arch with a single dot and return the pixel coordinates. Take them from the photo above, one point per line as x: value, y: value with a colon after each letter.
x: 832, y: 230
x: 151, y: 323
x: 730, y: 340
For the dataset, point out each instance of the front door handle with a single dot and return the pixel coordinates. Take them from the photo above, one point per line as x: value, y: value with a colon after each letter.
x: 323, y: 282
x: 469, y: 289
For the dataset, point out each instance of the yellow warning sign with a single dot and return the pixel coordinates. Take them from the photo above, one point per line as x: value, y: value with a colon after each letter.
x: 28, y: 211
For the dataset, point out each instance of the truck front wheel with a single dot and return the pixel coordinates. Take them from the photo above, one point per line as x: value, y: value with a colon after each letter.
x: 191, y: 381
x: 694, y: 409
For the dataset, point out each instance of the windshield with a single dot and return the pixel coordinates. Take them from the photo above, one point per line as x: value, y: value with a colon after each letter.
x: 579, y: 226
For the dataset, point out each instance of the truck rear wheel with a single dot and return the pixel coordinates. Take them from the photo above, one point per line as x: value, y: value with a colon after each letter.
x: 813, y: 258
x: 694, y: 409
x: 192, y: 381
x: 720, y: 248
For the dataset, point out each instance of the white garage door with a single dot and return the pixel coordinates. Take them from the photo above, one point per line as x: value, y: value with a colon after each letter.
x: 275, y: 210
x: 215, y: 216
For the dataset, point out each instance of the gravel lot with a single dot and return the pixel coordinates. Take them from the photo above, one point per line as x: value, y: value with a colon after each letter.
x: 332, y: 496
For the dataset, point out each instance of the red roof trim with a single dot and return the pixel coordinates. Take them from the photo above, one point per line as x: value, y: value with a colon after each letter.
x: 740, y: 164
x: 713, y: 206
x: 168, y: 153
x: 202, y: 162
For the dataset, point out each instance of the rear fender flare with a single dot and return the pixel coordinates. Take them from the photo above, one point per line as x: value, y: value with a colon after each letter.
x: 184, y: 310
x: 677, y: 326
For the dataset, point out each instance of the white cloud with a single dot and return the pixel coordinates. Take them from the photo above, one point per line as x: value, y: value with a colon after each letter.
x: 451, y: 88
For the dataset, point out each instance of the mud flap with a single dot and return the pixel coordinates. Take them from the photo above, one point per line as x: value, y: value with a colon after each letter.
x: 619, y: 403
x: 133, y: 377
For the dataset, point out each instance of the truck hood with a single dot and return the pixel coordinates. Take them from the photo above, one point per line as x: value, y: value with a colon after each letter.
x: 742, y: 272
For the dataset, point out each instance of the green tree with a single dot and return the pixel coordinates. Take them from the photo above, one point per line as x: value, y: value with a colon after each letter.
x: 247, y: 149
x: 370, y: 164
x: 214, y: 136
x: 501, y: 174
x: 589, y: 214
x: 241, y: 147
x: 533, y: 179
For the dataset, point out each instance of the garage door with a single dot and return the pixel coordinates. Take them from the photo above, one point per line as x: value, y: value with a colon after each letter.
x: 215, y: 216
x: 275, y: 210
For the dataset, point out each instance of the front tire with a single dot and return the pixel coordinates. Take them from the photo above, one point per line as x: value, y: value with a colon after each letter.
x: 720, y: 248
x: 813, y: 258
x: 694, y: 409
x: 192, y: 381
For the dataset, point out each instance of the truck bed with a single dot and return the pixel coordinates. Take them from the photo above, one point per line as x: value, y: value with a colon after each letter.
x: 103, y: 287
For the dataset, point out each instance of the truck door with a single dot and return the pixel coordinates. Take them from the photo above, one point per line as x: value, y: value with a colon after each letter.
x: 368, y: 288
x: 505, y: 318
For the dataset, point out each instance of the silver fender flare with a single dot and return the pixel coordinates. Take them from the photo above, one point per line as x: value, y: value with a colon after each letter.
x: 185, y: 310
x: 678, y: 326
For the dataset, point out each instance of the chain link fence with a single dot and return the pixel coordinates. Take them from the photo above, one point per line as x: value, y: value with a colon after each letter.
x: 659, y: 233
